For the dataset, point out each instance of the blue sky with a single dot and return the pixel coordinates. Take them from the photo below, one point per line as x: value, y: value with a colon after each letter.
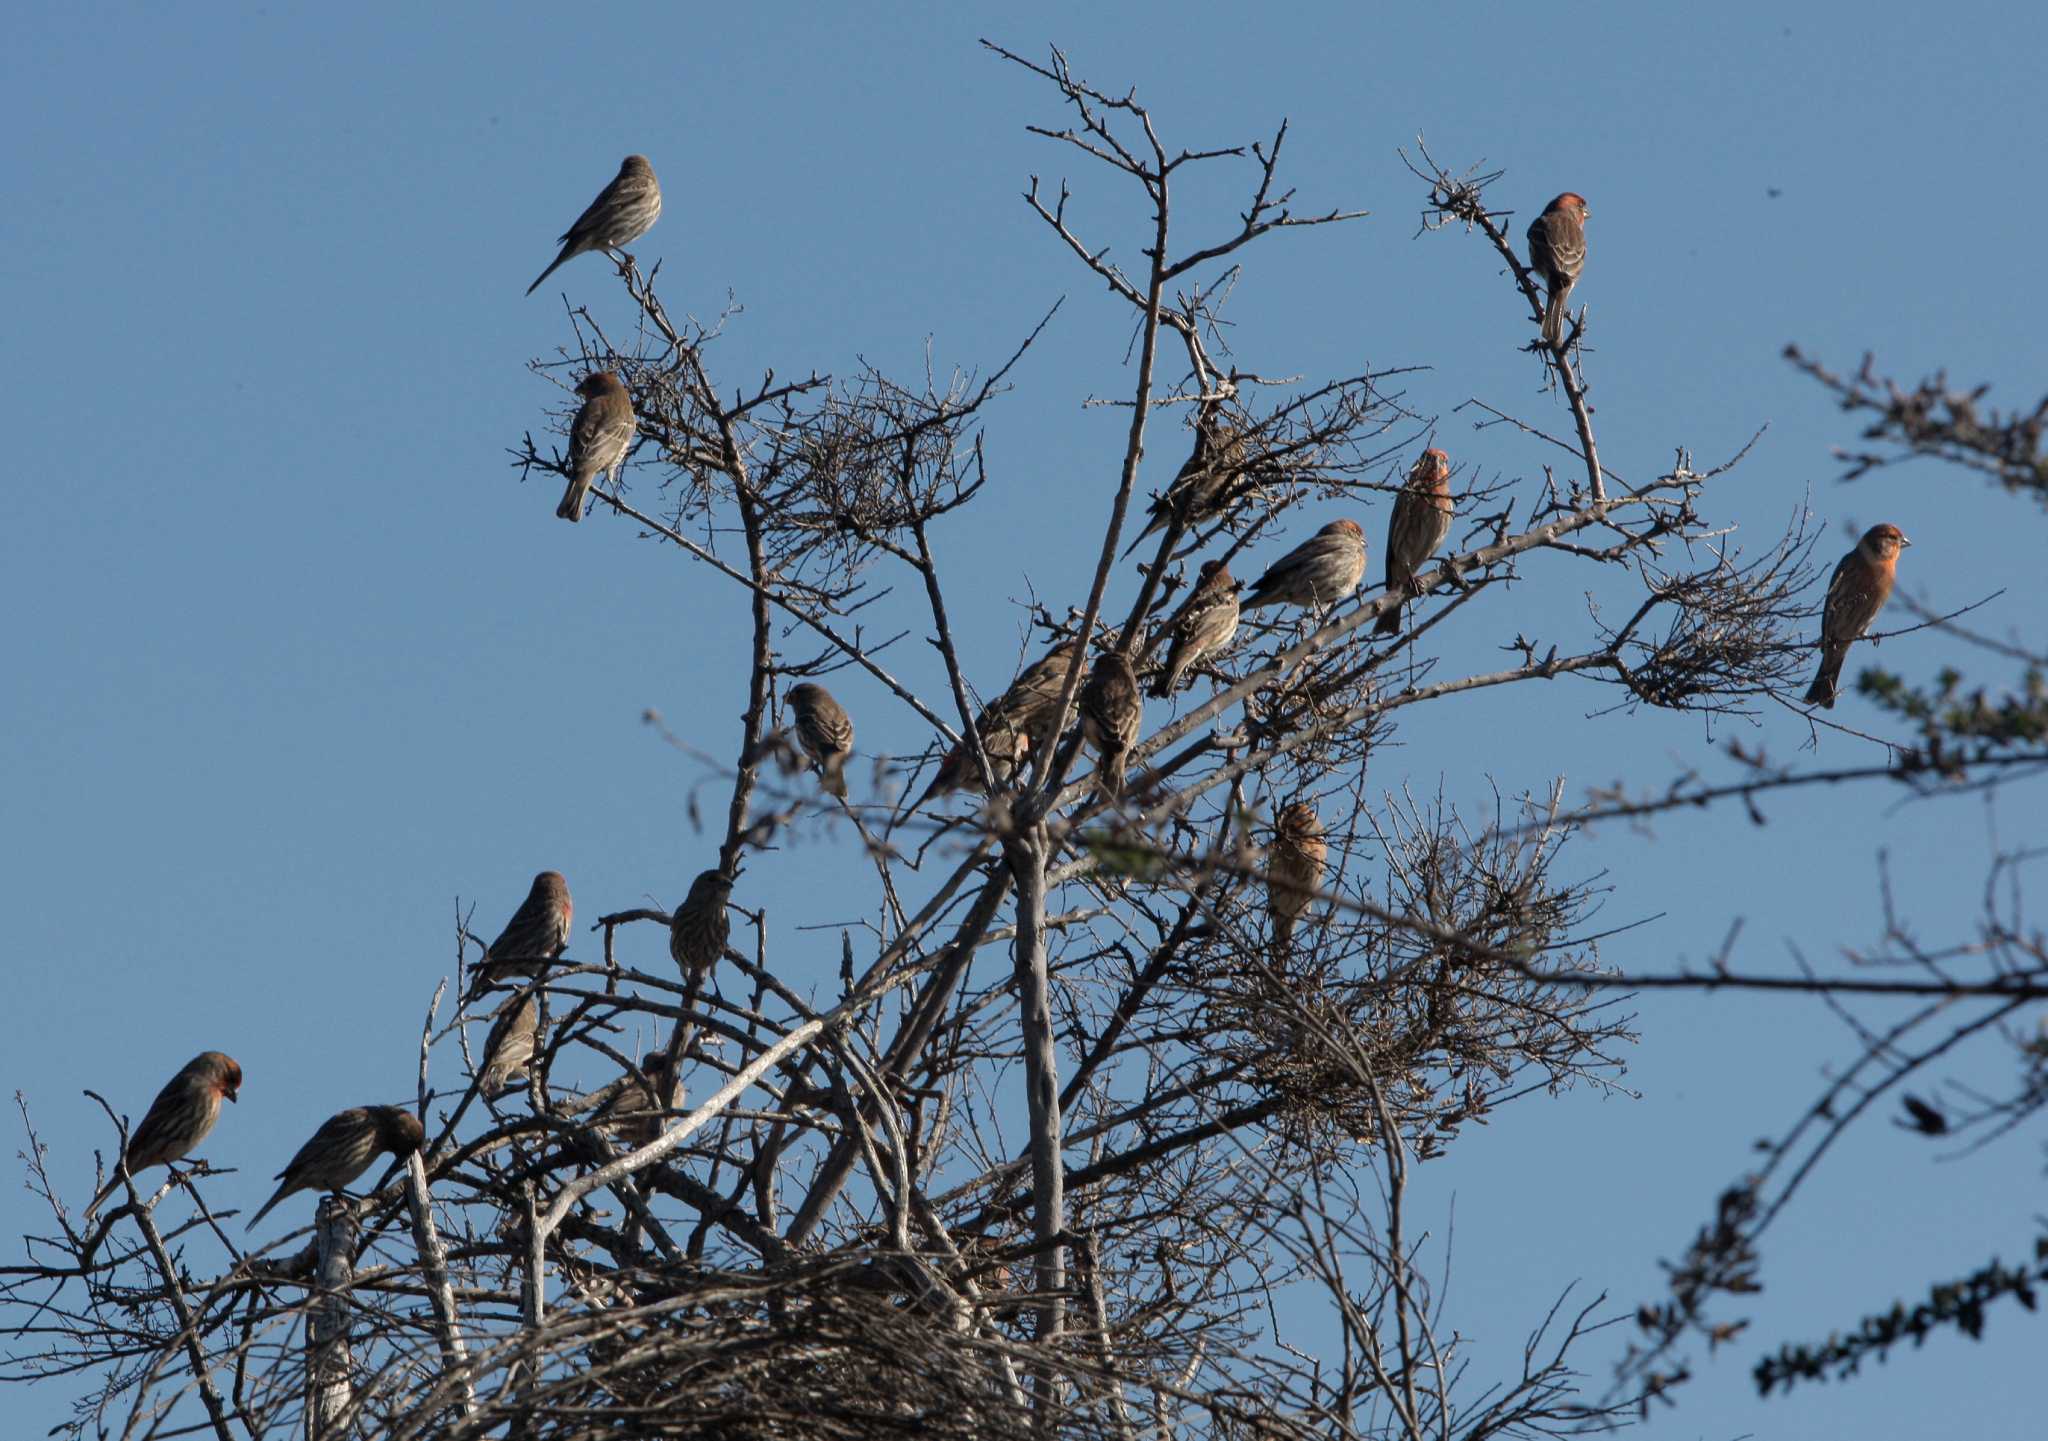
x: 297, y: 661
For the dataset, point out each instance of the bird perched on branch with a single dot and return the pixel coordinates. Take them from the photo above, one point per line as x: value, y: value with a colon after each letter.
x: 1204, y: 625
x: 1201, y: 490
x: 1320, y: 571
x: 1557, y: 252
x: 599, y: 438
x: 624, y: 211
x: 514, y: 1037
x: 1294, y: 868
x: 825, y: 731
x: 178, y: 1119
x: 536, y: 935
x: 1011, y: 726
x: 1860, y: 586
x: 1112, y: 714
x: 699, y: 929
x: 1421, y: 520
x: 342, y: 1150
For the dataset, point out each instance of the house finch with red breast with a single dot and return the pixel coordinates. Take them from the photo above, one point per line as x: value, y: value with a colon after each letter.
x: 1204, y: 625
x: 178, y: 1119
x: 342, y: 1150
x: 1421, y: 520
x: 1294, y: 868
x: 624, y: 211
x: 514, y: 1036
x: 1321, y: 570
x: 1861, y: 584
x: 1011, y: 726
x: 1112, y: 714
x: 537, y: 934
x: 599, y: 438
x: 1557, y: 252
x: 698, y: 930
x: 1202, y: 488
x: 825, y: 731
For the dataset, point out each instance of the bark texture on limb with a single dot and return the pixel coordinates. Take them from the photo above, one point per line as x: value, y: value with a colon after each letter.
x: 330, y: 1388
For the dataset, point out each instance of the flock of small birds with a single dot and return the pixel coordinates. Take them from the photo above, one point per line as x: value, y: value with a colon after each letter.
x: 1321, y: 571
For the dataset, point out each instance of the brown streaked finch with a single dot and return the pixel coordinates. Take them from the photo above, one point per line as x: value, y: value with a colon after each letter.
x: 1557, y: 253
x: 1202, y: 487
x: 1320, y: 571
x: 1294, y: 868
x: 1112, y: 714
x: 342, y: 1150
x: 599, y: 438
x: 637, y: 1111
x: 699, y: 929
x: 624, y: 211
x: 513, y: 1038
x: 1010, y: 726
x: 1857, y: 591
x: 1421, y: 520
x: 536, y: 935
x: 178, y: 1119
x: 1204, y: 625
x: 825, y: 731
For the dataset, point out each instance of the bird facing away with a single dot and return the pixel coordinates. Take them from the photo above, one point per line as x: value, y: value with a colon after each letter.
x: 1421, y: 520
x: 537, y: 934
x: 1201, y: 490
x: 514, y: 1036
x: 1320, y: 571
x: 1557, y: 252
x: 825, y: 731
x: 1294, y: 868
x: 599, y: 438
x: 1011, y: 726
x: 624, y: 211
x: 1860, y: 586
x: 1204, y: 625
x: 342, y: 1150
x: 698, y: 930
x: 1112, y: 714
x: 179, y: 1118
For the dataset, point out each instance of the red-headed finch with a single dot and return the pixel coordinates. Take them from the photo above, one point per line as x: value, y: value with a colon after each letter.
x: 1112, y: 713
x: 698, y: 930
x: 1204, y: 625
x: 1320, y: 571
x: 1010, y: 726
x: 1202, y: 488
x: 624, y: 211
x: 1421, y: 520
x: 342, y: 1150
x: 537, y: 934
x: 1557, y: 252
x: 825, y: 731
x: 599, y: 438
x: 179, y: 1118
x: 1861, y: 584
x: 514, y: 1036
x: 1294, y: 868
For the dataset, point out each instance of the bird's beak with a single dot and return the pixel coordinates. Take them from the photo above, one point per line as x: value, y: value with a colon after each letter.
x: 1903, y: 542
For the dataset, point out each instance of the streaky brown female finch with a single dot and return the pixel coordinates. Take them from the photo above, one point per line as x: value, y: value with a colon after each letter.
x: 1204, y: 625
x: 536, y: 935
x: 1010, y: 726
x: 1320, y: 571
x: 1112, y: 714
x: 636, y: 1111
x: 342, y: 1150
x: 825, y: 731
x: 624, y: 211
x: 1421, y: 520
x: 1202, y: 488
x: 698, y: 930
x: 178, y: 1119
x: 599, y: 438
x: 1861, y: 584
x: 1557, y: 252
x: 514, y: 1036
x: 1294, y: 868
